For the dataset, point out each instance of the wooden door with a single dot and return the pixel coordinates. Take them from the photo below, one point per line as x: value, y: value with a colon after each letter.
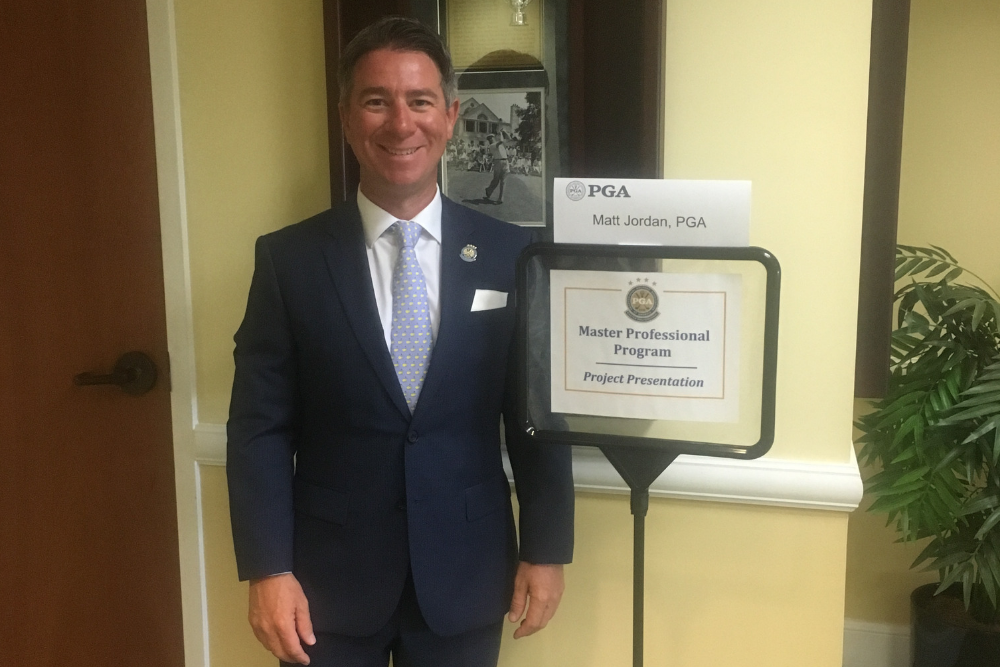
x: 89, y: 571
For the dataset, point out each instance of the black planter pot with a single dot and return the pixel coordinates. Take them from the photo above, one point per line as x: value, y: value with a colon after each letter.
x: 944, y: 635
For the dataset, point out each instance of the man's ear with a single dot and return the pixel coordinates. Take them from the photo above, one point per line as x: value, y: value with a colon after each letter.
x: 452, y: 113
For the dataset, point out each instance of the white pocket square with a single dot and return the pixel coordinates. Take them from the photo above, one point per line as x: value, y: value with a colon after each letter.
x: 487, y: 299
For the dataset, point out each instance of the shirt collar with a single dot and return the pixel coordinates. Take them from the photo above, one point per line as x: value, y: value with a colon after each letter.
x: 376, y: 220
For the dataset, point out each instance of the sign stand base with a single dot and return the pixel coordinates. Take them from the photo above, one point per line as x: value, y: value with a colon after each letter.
x: 639, y: 468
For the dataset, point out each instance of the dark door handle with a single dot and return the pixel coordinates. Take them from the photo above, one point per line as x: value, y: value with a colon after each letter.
x: 134, y: 372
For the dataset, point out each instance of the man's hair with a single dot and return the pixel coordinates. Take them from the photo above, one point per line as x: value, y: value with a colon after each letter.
x: 397, y: 33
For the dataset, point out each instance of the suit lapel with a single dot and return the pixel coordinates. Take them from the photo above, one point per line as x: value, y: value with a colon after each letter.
x: 456, y: 231
x: 348, y: 265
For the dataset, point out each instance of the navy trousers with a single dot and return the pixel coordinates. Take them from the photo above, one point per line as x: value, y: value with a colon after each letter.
x: 410, y: 643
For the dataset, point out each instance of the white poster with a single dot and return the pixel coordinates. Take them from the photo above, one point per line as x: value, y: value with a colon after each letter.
x: 616, y: 211
x: 646, y: 345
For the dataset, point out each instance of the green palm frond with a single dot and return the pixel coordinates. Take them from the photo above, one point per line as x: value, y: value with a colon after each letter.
x: 936, y: 435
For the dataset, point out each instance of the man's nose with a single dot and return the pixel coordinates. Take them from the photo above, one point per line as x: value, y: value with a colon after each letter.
x: 401, y: 119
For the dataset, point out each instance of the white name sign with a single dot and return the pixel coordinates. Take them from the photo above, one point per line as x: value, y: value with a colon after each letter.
x: 651, y: 212
x: 646, y: 345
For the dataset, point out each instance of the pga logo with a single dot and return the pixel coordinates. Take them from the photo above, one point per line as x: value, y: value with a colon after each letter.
x: 575, y: 191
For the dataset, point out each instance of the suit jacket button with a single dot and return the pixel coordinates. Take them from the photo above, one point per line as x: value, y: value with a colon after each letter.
x: 411, y: 436
x: 401, y: 505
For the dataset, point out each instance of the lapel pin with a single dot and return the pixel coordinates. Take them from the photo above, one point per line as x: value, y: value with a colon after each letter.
x: 469, y: 253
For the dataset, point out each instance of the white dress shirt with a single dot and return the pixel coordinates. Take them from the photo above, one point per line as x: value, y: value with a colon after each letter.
x: 383, y: 248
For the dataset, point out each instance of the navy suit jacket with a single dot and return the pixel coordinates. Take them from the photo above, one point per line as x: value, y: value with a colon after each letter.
x: 330, y: 476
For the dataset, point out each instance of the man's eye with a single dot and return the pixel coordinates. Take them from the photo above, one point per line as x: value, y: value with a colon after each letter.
x: 421, y: 103
x: 375, y: 102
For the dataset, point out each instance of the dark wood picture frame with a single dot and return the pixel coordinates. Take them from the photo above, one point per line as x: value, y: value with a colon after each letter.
x: 614, y: 101
x: 527, y: 208
x: 884, y: 148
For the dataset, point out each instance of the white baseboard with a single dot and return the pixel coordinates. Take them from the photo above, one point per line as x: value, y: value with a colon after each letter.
x: 765, y: 481
x: 876, y: 644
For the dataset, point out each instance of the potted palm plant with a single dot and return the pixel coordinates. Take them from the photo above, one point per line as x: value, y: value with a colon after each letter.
x: 935, y: 439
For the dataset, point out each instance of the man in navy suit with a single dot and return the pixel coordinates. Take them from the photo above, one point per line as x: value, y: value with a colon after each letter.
x: 370, y: 509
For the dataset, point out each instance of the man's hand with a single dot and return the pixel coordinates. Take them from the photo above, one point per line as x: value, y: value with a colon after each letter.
x: 543, y: 584
x: 279, y: 616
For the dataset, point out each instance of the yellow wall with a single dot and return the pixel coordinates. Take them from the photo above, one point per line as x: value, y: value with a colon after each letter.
x: 772, y: 91
x: 253, y: 112
x: 776, y: 92
x: 231, y: 642
x: 949, y: 190
x: 725, y: 585
x: 949, y: 196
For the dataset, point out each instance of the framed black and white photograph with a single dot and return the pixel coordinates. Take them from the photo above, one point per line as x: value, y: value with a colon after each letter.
x: 495, y: 160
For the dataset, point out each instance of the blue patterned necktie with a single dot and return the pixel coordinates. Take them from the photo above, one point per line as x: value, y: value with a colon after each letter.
x: 411, y: 323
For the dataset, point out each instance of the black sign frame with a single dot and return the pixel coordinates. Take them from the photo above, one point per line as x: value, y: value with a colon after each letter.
x: 675, y: 447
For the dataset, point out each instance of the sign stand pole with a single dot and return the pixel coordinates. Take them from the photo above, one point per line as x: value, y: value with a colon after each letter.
x: 639, y: 458
x: 639, y: 468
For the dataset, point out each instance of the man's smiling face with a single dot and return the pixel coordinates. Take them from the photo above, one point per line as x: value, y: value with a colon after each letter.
x: 398, y: 123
